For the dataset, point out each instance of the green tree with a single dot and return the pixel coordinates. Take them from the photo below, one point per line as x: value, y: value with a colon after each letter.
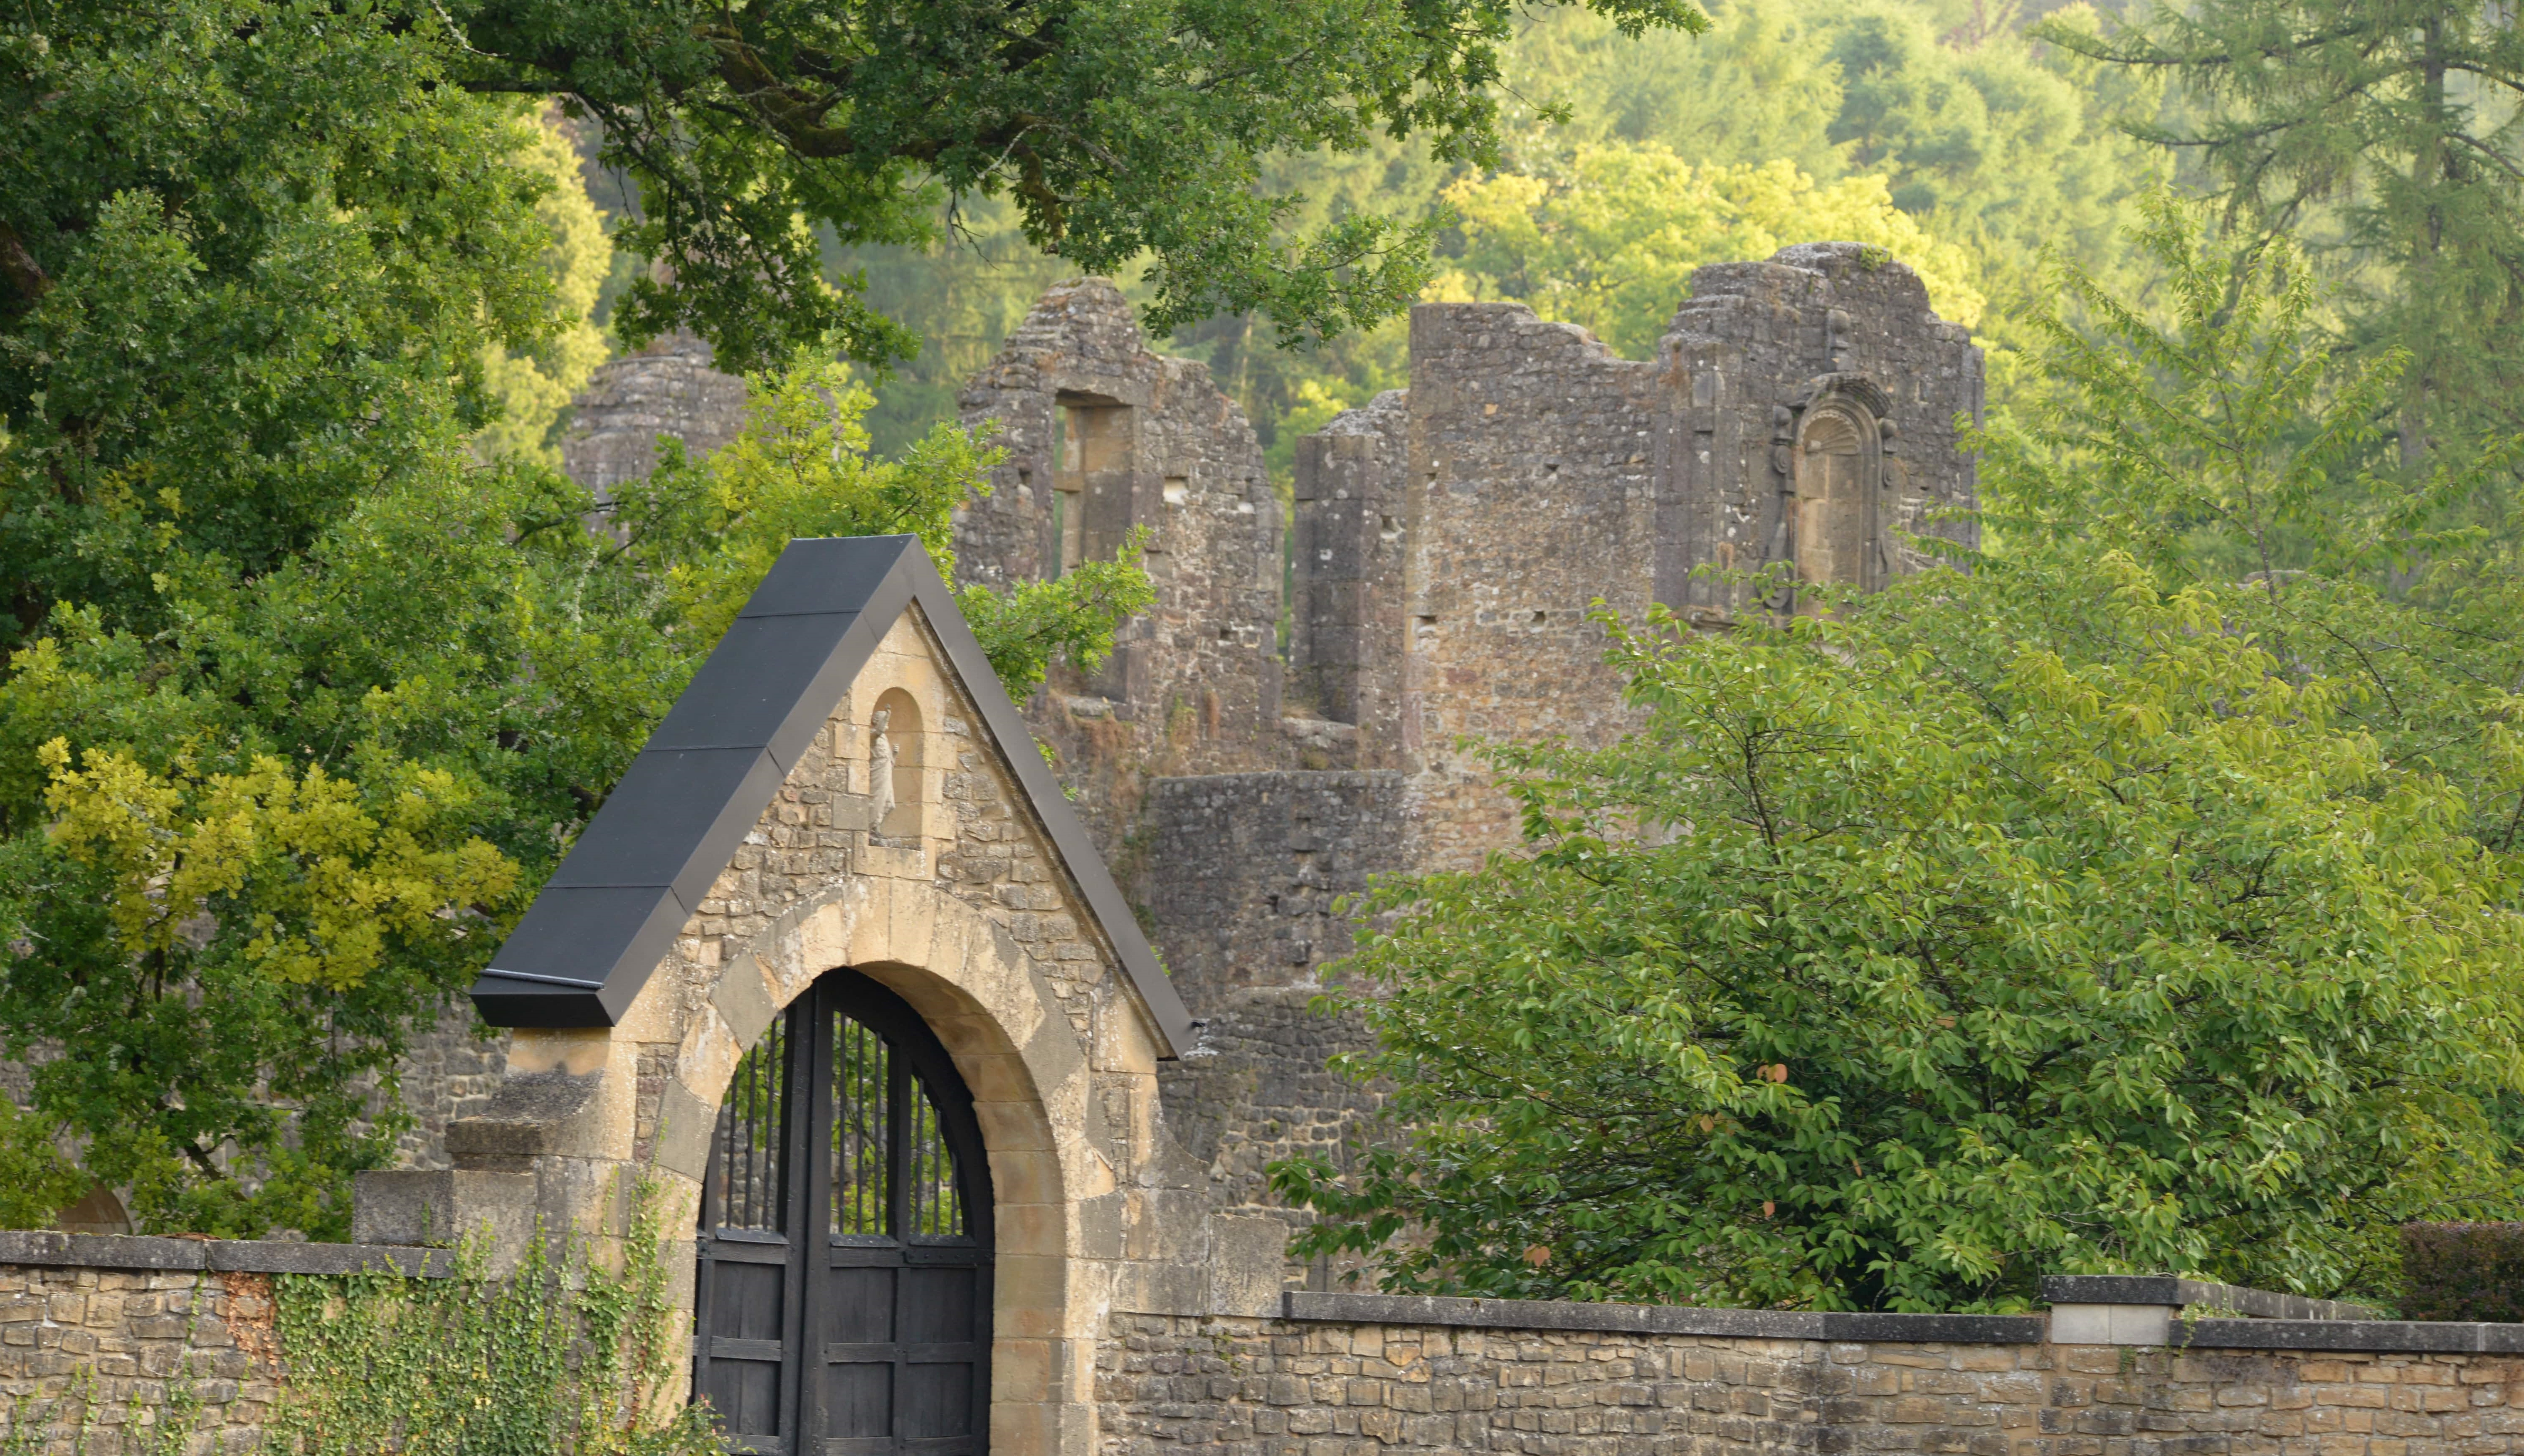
x: 2024, y: 922
x: 2227, y: 437
x: 2384, y: 133
x: 1117, y: 131
x: 1611, y: 240
x: 288, y: 630
x: 2146, y: 899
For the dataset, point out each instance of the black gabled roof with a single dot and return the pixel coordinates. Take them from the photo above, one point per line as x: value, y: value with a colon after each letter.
x: 611, y: 912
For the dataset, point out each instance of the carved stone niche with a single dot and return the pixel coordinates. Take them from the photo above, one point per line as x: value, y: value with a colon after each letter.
x: 1838, y: 473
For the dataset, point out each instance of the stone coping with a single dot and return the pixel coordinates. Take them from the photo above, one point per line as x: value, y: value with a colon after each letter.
x: 218, y: 1255
x: 2369, y: 1336
x: 1660, y: 1319
x: 2167, y: 1290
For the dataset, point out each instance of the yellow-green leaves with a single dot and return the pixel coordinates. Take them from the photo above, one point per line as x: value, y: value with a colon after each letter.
x: 534, y: 386
x: 1610, y: 240
x: 311, y: 883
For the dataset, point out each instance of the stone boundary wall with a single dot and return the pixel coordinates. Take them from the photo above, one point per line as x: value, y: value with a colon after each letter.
x: 134, y: 1320
x: 130, y: 1322
x: 1381, y: 1376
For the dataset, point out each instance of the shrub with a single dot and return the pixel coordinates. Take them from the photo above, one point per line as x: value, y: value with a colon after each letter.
x: 2463, y: 1272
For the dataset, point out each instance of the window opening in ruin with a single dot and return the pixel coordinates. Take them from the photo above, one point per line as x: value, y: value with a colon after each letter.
x: 851, y: 1312
x: 1091, y: 497
x: 893, y: 765
x: 1177, y: 489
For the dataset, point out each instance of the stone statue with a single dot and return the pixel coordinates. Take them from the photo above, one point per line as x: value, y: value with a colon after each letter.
x: 879, y: 770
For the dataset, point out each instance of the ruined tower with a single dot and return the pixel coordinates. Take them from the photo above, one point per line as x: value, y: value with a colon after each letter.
x: 1446, y: 545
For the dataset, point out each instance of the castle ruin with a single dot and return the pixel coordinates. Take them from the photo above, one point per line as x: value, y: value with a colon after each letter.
x: 1284, y: 724
x: 1447, y: 543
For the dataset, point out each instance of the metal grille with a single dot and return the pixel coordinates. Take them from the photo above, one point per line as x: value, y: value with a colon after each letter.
x: 884, y: 1128
x: 862, y: 1089
x: 936, y: 1209
x: 751, y: 1124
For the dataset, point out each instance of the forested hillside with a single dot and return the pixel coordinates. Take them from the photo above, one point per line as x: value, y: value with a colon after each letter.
x: 1936, y: 129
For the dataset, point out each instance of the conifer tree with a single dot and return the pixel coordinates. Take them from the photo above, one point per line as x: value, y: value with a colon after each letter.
x: 2384, y: 135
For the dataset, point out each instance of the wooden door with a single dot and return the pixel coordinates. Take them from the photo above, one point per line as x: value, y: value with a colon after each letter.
x: 842, y: 1304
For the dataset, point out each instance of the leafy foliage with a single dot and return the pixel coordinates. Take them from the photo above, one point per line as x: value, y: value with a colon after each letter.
x: 1612, y: 242
x: 2231, y: 439
x: 2024, y: 922
x: 2462, y: 1272
x: 303, y: 821
x: 2223, y: 440
x: 1117, y: 131
x: 2383, y: 134
x: 36, y: 1181
x: 563, y: 1356
x: 252, y: 254
x: 535, y: 389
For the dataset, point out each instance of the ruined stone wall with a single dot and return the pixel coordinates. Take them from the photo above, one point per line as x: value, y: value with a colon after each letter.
x: 1252, y: 865
x: 1085, y: 412
x: 1346, y: 624
x: 1451, y: 538
x: 1531, y: 494
x: 666, y: 389
x: 1753, y: 349
x: 1249, y: 868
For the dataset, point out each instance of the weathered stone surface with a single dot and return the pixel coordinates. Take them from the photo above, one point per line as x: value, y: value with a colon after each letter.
x: 1281, y: 1388
x: 1104, y: 437
x: 130, y: 1339
x: 1247, y: 868
x: 666, y: 389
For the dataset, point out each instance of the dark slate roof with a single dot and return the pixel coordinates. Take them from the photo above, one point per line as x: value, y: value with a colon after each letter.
x: 611, y: 912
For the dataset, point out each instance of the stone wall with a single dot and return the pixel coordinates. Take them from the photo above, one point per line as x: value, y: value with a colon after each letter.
x: 111, y: 1330
x: 1097, y: 428
x: 1753, y: 351
x: 1258, y: 1088
x: 448, y: 1072
x: 1249, y: 866
x: 1762, y: 1381
x: 106, y: 1334
x: 1345, y: 642
x: 666, y: 389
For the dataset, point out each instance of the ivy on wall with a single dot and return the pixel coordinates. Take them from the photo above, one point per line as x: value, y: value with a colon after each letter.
x: 564, y: 1355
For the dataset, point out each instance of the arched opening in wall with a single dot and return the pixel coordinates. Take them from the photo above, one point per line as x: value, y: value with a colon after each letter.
x: 843, y: 1295
x: 894, y: 742
x: 1838, y: 461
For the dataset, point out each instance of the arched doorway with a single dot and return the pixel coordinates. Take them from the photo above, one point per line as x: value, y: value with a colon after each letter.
x: 842, y: 1299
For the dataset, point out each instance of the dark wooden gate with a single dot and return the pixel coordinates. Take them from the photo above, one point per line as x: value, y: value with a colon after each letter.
x: 844, y: 1298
